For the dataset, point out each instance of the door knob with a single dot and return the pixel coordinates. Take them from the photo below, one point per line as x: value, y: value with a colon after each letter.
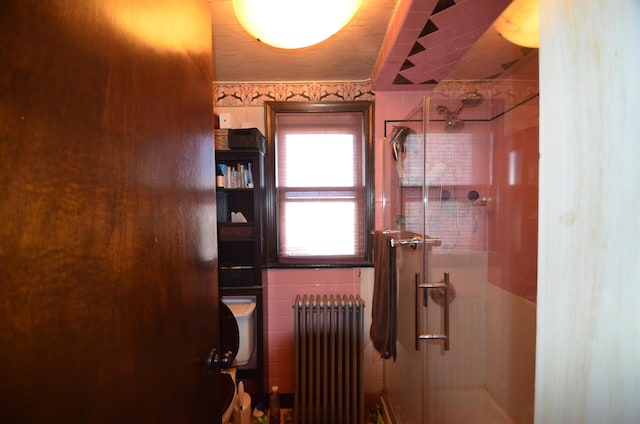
x: 217, y: 361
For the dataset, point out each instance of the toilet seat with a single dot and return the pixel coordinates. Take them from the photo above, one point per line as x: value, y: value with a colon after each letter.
x: 229, y: 343
x: 244, y: 311
x: 229, y: 331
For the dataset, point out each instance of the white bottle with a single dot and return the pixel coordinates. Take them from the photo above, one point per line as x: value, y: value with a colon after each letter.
x: 274, y: 406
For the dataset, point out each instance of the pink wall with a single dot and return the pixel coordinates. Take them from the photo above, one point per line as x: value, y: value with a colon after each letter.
x: 282, y: 288
x: 508, y: 224
x: 389, y: 106
x: 513, y: 221
x: 284, y: 284
x: 465, y: 156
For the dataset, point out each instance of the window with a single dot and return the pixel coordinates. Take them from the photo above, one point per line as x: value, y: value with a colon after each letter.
x: 320, y: 180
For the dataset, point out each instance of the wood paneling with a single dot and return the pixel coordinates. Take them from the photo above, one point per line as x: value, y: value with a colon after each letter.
x: 107, y: 212
x: 588, y: 324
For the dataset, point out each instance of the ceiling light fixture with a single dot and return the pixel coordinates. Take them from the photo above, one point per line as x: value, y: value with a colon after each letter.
x: 520, y: 23
x: 293, y: 24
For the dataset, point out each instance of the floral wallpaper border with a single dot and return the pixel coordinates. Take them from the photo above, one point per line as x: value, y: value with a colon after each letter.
x: 252, y: 94
x: 230, y: 94
x: 511, y: 91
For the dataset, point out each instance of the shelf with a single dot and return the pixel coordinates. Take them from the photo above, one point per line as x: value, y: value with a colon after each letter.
x: 237, y: 277
x: 241, y: 244
x: 235, y: 231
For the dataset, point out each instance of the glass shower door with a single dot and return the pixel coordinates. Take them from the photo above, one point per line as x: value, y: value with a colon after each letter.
x: 437, y: 176
x: 405, y: 377
x: 469, y: 382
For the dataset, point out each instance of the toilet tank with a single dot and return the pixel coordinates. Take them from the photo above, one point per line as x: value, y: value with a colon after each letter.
x: 244, y: 311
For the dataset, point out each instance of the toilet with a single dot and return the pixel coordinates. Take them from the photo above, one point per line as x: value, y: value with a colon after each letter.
x: 237, y: 334
x: 243, y: 309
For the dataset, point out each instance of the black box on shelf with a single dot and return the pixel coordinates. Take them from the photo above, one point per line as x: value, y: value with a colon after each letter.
x: 246, y: 138
x: 221, y: 204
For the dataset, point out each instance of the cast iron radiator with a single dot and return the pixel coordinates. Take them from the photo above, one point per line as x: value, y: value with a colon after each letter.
x: 328, y: 359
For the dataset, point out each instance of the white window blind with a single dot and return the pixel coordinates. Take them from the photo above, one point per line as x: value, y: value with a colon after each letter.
x: 320, y: 185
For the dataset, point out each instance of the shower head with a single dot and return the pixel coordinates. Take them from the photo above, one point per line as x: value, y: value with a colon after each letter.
x: 454, y: 124
x: 469, y: 99
x: 398, y: 136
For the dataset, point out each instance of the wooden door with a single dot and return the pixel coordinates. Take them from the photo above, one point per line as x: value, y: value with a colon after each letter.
x: 108, y: 255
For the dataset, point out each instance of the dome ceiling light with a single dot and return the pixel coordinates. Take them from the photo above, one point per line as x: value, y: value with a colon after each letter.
x: 520, y: 23
x: 293, y: 24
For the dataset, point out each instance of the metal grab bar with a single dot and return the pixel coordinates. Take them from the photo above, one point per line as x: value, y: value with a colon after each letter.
x: 416, y: 240
x: 431, y: 336
x: 386, y: 231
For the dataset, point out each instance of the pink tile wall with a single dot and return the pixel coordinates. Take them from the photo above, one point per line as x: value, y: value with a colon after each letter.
x: 282, y: 287
x: 513, y: 224
x: 510, y: 219
x: 284, y: 284
x: 390, y: 106
x: 458, y: 162
x: 466, y: 157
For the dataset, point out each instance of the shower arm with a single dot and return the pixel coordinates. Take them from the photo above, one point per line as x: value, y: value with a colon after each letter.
x: 471, y: 98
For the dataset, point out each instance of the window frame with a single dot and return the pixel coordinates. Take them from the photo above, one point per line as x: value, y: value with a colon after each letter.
x: 272, y: 108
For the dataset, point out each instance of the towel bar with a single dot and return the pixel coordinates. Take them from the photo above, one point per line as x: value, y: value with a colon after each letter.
x: 386, y: 231
x: 416, y: 240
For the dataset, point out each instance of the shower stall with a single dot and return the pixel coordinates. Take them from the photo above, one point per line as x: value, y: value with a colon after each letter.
x: 460, y: 196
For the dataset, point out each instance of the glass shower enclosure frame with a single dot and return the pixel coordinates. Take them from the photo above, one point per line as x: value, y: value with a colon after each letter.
x: 437, y: 205
x: 404, y: 215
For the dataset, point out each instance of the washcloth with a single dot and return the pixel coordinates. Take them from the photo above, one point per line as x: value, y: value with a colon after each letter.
x: 384, y: 305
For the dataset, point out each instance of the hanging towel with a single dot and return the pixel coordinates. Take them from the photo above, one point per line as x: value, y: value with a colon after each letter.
x: 383, y: 309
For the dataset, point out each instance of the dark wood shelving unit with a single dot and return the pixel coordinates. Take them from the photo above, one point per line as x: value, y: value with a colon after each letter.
x: 241, y: 264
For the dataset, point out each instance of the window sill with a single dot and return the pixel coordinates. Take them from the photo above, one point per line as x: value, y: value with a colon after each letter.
x: 310, y: 264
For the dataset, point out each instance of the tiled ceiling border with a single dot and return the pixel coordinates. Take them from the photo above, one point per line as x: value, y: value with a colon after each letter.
x: 430, y: 37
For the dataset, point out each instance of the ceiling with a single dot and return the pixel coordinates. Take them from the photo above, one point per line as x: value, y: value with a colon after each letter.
x: 397, y: 44
x: 348, y: 55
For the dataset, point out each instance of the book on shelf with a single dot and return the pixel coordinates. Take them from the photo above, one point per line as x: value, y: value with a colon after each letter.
x: 239, y: 175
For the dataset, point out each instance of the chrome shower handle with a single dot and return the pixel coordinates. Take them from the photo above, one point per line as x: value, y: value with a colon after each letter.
x: 415, y: 240
x: 431, y: 336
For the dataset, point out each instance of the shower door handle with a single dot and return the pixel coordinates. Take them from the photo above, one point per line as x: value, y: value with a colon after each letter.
x: 430, y: 336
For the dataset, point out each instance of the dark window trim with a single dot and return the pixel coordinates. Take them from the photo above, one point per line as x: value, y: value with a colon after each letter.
x: 271, y: 196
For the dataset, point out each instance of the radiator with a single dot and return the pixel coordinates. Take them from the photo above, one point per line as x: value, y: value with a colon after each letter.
x: 328, y: 359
